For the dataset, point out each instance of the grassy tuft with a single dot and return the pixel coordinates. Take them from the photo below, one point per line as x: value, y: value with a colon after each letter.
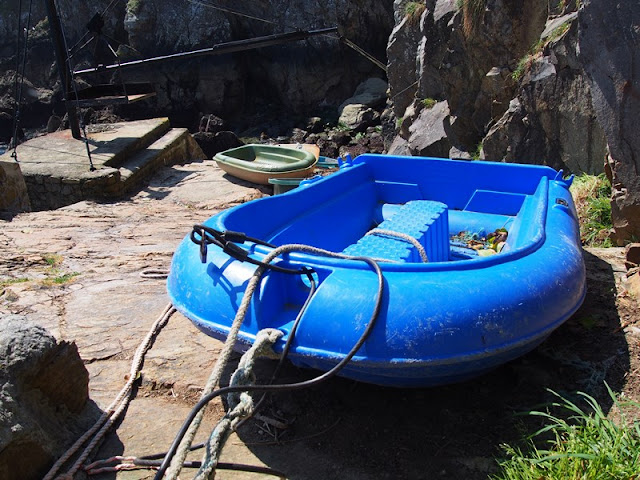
x: 12, y: 281
x: 428, y: 103
x: 61, y: 279
x: 592, y: 197
x: 52, y: 259
x: 472, y: 14
x: 524, y: 64
x: 134, y: 6
x: 414, y: 10
x: 477, y: 153
x: 586, y: 445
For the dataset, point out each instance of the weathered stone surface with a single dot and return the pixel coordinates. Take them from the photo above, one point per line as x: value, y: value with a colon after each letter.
x: 632, y: 255
x: 358, y: 117
x: 44, y: 388
x: 14, y: 197
x: 399, y: 146
x: 372, y: 93
x: 610, y: 52
x: 464, y: 58
x: 6, y: 125
x: 299, y: 75
x: 552, y: 120
x: 506, y: 135
x: 428, y: 134
x: 401, y: 67
x: 211, y: 124
x: 492, y: 97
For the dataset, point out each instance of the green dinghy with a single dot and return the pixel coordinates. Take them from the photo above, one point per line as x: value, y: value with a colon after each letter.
x: 258, y: 163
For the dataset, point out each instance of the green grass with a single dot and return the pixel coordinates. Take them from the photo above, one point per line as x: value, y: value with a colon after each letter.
x: 414, y: 10
x: 134, y: 6
x: 59, y: 279
x: 592, y: 197
x: 428, y: 103
x: 472, y: 14
x: 524, y: 64
x: 52, y: 259
x: 12, y: 281
x: 475, y: 155
x: 586, y: 445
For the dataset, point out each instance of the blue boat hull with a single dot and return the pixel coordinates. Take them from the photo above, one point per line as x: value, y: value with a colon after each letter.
x: 452, y: 318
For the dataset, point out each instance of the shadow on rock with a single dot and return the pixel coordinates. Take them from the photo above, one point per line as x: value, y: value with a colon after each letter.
x: 347, y: 429
x: 44, y: 400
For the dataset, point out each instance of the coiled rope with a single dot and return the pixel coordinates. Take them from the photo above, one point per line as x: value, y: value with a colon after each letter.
x: 177, y: 453
x: 113, y: 411
x: 241, y: 405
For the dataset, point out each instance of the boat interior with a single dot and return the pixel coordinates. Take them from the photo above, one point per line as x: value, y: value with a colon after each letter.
x: 450, y: 207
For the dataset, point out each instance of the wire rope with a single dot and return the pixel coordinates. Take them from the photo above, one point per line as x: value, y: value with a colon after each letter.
x: 21, y: 73
x: 75, y: 92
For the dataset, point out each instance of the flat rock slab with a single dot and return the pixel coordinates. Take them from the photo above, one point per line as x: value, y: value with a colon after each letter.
x: 76, y: 271
x: 58, y: 154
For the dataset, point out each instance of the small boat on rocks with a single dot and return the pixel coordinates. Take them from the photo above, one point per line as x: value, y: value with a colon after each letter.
x: 258, y: 163
x: 480, y: 262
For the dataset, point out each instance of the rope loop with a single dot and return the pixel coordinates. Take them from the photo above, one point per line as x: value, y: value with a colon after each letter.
x: 241, y: 404
x: 402, y: 236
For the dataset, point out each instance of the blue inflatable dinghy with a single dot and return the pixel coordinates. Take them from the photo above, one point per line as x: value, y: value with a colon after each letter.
x: 481, y: 262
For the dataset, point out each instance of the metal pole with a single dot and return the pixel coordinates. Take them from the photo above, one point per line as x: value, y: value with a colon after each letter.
x: 61, y: 59
x: 227, y: 47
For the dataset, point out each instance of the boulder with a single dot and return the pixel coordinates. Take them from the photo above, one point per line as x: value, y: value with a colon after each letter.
x: 43, y: 398
x: 358, y: 117
x: 428, y: 136
x: 609, y: 47
x: 211, y: 124
x: 632, y: 255
x: 399, y: 146
x: 371, y: 93
x: 212, y: 143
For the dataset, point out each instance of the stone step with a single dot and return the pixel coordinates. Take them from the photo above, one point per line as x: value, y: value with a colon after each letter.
x: 56, y: 167
x: 175, y: 146
x: 139, y: 139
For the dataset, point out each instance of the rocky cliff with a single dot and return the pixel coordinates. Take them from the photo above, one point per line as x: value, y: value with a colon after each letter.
x: 553, y: 83
x: 297, y: 77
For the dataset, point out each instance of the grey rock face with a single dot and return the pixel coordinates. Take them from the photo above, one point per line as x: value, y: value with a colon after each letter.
x: 610, y: 52
x: 371, y: 93
x: 298, y: 75
x: 428, y: 134
x: 43, y: 391
x: 552, y: 120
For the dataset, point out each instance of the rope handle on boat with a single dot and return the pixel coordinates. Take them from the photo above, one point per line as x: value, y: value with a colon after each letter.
x: 228, y: 241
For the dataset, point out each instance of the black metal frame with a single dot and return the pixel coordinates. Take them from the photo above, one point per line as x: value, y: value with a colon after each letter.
x: 125, y: 93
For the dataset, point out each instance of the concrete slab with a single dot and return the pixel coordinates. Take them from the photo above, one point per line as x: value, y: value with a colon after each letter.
x: 56, y: 167
x: 60, y: 155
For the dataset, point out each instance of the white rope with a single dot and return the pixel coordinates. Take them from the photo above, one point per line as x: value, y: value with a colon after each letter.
x: 403, y: 236
x: 183, y: 449
x: 113, y: 411
x: 241, y: 404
